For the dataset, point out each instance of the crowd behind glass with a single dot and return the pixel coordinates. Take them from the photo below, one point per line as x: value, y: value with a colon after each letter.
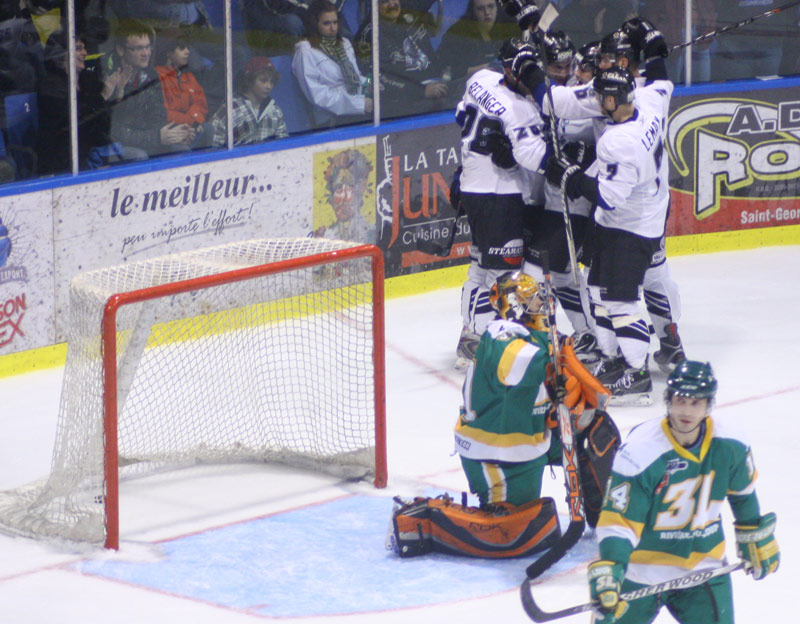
x: 149, y: 76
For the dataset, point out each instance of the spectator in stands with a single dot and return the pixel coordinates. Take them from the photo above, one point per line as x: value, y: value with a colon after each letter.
x: 473, y: 42
x: 410, y: 72
x: 670, y: 16
x: 325, y: 67
x: 138, y: 116
x: 53, y: 140
x: 590, y: 20
x: 21, y: 50
x: 274, y: 26
x: 256, y: 116
x: 163, y: 14
x: 755, y: 49
x: 184, y: 98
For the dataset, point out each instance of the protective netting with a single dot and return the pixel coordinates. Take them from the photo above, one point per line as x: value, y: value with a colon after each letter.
x: 271, y: 368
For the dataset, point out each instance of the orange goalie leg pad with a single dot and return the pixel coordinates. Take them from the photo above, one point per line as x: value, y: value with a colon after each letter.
x: 594, y: 393
x: 439, y: 525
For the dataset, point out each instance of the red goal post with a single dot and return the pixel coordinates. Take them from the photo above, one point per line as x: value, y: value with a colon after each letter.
x: 268, y: 350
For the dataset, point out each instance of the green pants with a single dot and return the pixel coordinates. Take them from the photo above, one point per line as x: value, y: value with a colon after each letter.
x: 709, y: 603
x: 515, y: 483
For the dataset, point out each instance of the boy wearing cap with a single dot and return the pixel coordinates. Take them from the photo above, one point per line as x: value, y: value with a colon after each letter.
x: 256, y: 116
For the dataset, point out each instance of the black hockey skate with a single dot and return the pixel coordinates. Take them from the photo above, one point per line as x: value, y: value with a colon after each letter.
x: 585, y: 346
x: 610, y: 369
x: 671, y: 352
x: 629, y: 386
x: 465, y: 351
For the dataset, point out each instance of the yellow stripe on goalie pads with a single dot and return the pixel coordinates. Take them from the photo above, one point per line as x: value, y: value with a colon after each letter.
x: 592, y: 391
x: 439, y: 525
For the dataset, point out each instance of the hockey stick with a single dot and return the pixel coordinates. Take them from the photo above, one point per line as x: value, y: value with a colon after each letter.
x: 724, y: 29
x: 549, y: 15
x: 692, y: 579
x: 569, y: 451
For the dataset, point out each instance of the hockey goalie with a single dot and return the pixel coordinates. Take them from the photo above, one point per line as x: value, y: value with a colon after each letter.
x: 507, y: 434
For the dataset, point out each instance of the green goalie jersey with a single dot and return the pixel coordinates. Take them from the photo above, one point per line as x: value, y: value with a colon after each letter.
x: 505, y: 401
x: 662, y: 507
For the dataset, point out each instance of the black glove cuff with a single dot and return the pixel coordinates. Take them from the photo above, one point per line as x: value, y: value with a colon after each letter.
x: 531, y: 76
x: 655, y: 69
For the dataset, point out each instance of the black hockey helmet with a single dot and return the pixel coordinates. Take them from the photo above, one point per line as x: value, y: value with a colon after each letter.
x: 618, y: 44
x: 616, y: 81
x: 512, y: 47
x: 588, y: 57
x: 558, y: 47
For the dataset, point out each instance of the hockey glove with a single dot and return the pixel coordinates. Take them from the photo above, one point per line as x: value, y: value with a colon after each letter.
x: 580, y: 153
x: 455, y: 190
x: 492, y: 141
x: 524, y: 11
x: 646, y: 37
x: 757, y: 545
x: 559, y: 171
x: 605, y: 583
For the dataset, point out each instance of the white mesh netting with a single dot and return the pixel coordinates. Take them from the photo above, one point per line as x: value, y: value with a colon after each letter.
x: 273, y: 368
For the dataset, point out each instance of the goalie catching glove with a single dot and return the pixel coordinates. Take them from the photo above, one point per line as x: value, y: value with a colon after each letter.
x: 757, y: 545
x: 605, y: 583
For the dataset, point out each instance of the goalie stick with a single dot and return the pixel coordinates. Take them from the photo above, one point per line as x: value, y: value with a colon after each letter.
x: 569, y: 450
x: 692, y: 579
x: 724, y: 29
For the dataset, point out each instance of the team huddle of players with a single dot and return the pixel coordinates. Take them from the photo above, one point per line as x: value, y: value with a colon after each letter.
x: 548, y: 132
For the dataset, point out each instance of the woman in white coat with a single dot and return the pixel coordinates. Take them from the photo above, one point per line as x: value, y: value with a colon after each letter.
x: 325, y: 66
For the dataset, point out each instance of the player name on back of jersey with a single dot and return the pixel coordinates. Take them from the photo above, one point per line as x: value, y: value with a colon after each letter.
x: 485, y: 100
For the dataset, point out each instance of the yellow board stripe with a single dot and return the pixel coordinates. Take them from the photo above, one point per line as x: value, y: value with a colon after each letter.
x: 452, y: 277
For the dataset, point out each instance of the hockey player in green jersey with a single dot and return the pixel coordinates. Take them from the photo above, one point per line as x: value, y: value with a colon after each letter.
x: 661, y: 513
x: 504, y: 435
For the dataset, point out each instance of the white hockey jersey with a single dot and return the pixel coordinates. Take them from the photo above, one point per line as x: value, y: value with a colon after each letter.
x: 489, y: 104
x: 633, y: 183
x: 631, y: 166
x: 570, y: 130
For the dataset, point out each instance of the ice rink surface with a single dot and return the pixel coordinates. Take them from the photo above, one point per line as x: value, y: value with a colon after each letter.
x: 245, y: 543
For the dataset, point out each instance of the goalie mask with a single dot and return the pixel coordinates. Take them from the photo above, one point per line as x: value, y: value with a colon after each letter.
x: 692, y: 379
x: 516, y: 296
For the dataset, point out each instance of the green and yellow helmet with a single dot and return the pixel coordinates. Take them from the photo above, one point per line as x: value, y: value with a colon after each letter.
x: 692, y: 379
x: 516, y: 296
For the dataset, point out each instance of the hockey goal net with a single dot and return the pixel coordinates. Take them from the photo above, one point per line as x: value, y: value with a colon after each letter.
x: 264, y: 350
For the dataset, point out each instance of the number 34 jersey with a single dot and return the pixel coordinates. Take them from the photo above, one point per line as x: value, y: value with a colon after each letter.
x: 664, y: 501
x: 490, y: 108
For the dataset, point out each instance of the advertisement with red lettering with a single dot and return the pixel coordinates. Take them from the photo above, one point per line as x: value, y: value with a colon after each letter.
x: 417, y: 226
